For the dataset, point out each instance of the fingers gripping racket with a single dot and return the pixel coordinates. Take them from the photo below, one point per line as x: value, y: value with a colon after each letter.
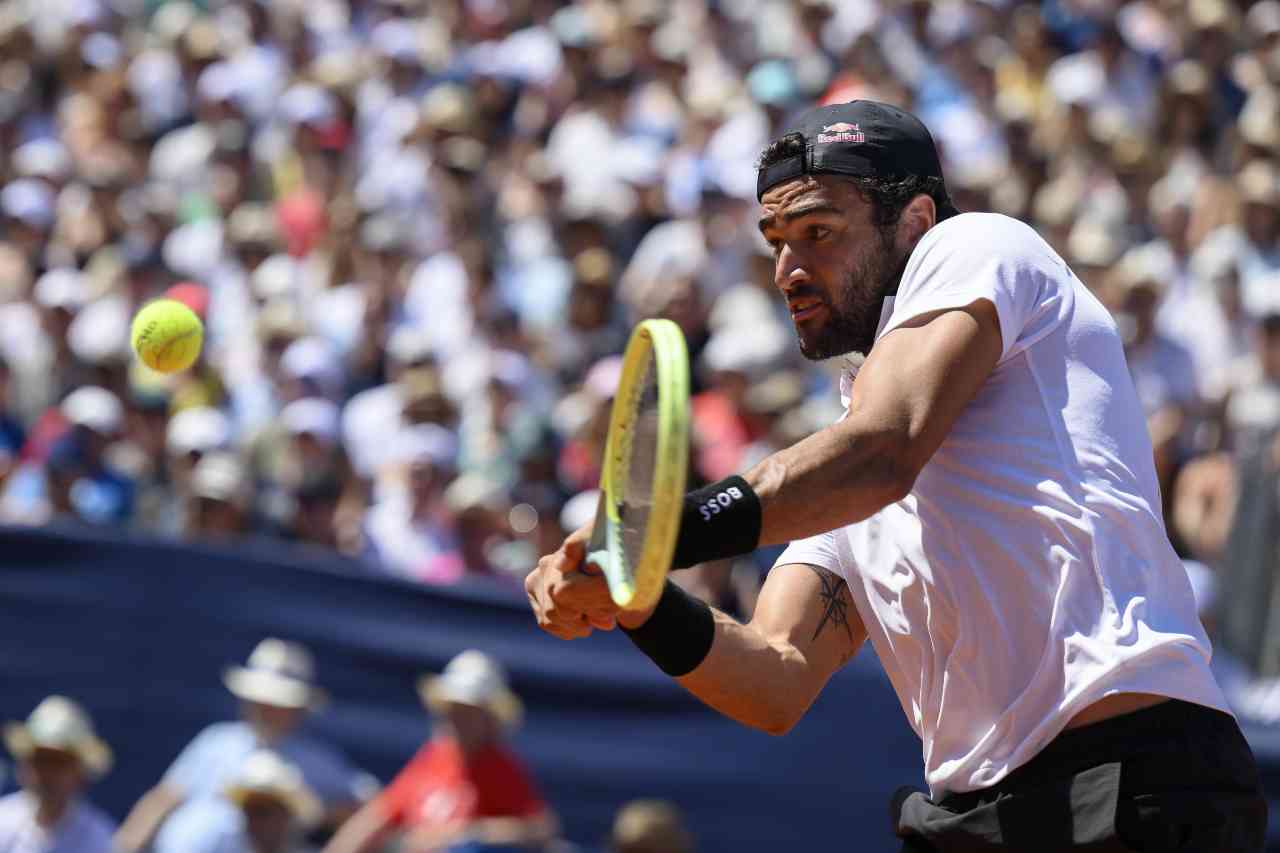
x: 642, y: 483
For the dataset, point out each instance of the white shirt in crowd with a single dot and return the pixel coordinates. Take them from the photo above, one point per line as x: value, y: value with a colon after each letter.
x: 1028, y: 573
x: 83, y: 829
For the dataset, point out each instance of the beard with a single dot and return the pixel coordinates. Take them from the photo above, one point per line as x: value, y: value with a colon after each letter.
x: 854, y: 316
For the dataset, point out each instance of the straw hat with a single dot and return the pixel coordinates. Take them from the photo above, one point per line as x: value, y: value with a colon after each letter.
x: 279, y: 674
x: 59, y: 723
x: 472, y: 678
x: 266, y: 774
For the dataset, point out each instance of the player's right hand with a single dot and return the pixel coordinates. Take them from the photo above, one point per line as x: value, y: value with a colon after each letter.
x: 568, y: 598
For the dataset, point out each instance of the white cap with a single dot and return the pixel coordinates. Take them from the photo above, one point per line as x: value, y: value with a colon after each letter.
x: 61, y: 288
x: 194, y: 249
x: 426, y: 443
x: 99, y: 334
x: 307, y: 104
x: 746, y: 348
x: 314, y: 416
x: 579, y: 509
x: 473, y: 491
x: 316, y: 359
x: 200, y: 428
x: 408, y: 344
x: 28, y: 201
x: 1263, y: 18
x: 1075, y: 80
x: 220, y: 477
x: 101, y: 51
x: 603, y: 377
x: 1151, y: 263
x: 95, y: 408
x: 275, y: 277
x: 218, y: 82
x: 397, y: 39
x: 42, y: 158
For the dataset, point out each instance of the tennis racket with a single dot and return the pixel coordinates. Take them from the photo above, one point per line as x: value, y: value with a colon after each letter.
x: 642, y: 483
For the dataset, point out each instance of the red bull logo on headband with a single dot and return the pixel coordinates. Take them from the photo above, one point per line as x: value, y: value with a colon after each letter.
x: 842, y: 131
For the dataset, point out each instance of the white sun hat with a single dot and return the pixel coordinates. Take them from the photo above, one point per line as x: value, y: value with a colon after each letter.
x: 472, y: 678
x: 59, y: 723
x: 95, y: 408
x: 266, y: 774
x: 279, y: 673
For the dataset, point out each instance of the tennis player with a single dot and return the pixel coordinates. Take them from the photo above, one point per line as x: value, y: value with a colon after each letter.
x: 986, y: 511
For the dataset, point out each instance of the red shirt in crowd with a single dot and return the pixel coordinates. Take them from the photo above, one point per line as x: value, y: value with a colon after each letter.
x: 442, y: 786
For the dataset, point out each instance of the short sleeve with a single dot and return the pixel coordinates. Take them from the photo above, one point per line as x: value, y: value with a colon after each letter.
x: 817, y: 551
x: 505, y: 789
x: 984, y: 256
x: 327, y: 771
x: 398, y: 798
x: 188, y: 771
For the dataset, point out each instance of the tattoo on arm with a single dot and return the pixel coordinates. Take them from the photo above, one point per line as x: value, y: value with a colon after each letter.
x: 835, y: 602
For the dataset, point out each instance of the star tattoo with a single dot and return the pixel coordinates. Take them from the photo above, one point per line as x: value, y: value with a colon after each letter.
x: 835, y: 602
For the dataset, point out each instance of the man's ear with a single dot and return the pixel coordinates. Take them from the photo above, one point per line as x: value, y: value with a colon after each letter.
x: 918, y: 216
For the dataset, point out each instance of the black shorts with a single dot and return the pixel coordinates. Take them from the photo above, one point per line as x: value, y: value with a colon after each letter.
x: 1174, y: 777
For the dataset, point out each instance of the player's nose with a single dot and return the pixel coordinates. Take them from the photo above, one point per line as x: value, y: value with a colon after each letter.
x: 789, y: 272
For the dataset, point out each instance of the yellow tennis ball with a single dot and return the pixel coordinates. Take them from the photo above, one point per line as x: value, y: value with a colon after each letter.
x: 167, y: 335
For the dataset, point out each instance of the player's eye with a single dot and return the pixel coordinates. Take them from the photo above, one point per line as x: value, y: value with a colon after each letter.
x: 776, y: 247
x: 819, y: 232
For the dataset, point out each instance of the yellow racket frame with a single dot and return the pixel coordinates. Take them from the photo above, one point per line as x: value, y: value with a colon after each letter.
x: 638, y: 587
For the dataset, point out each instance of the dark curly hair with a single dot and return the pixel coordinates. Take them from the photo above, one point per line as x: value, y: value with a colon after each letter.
x: 887, y: 195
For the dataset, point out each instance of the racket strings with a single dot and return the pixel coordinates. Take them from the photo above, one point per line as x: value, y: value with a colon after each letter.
x: 642, y: 450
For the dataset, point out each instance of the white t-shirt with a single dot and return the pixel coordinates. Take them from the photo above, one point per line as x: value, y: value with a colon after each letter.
x: 1028, y: 574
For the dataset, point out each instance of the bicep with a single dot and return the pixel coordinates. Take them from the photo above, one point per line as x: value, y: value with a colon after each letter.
x: 920, y: 376
x: 810, y: 610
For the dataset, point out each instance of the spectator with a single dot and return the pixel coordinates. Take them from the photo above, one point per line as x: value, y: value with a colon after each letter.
x: 81, y: 482
x: 464, y: 790
x: 410, y: 526
x: 277, y: 693
x: 1253, y: 409
x: 274, y: 807
x: 1163, y: 371
x: 218, y: 503
x: 649, y: 826
x: 58, y: 755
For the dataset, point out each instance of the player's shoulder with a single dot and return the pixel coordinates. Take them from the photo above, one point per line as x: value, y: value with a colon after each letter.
x: 972, y: 244
x: 983, y: 232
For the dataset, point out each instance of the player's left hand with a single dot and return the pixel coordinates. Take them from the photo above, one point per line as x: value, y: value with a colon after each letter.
x: 569, y: 598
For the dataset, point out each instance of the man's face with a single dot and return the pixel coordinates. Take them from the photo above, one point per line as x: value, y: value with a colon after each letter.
x: 51, y: 774
x: 272, y: 722
x: 832, y: 264
x: 267, y: 822
x: 474, y: 727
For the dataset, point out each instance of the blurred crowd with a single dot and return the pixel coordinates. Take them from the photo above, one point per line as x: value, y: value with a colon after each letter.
x: 419, y: 231
x: 263, y: 784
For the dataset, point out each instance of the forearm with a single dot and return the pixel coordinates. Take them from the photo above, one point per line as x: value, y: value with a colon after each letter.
x: 840, y: 475
x: 537, y: 829
x: 144, y: 820
x: 760, y: 683
x: 364, y: 831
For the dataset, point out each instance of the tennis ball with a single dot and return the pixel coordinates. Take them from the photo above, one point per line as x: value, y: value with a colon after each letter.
x: 167, y: 335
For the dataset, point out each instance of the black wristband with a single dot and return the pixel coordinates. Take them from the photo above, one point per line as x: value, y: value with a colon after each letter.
x: 718, y: 521
x: 678, y: 634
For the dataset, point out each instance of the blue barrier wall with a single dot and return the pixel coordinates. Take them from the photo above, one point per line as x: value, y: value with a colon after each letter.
x: 140, y: 632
